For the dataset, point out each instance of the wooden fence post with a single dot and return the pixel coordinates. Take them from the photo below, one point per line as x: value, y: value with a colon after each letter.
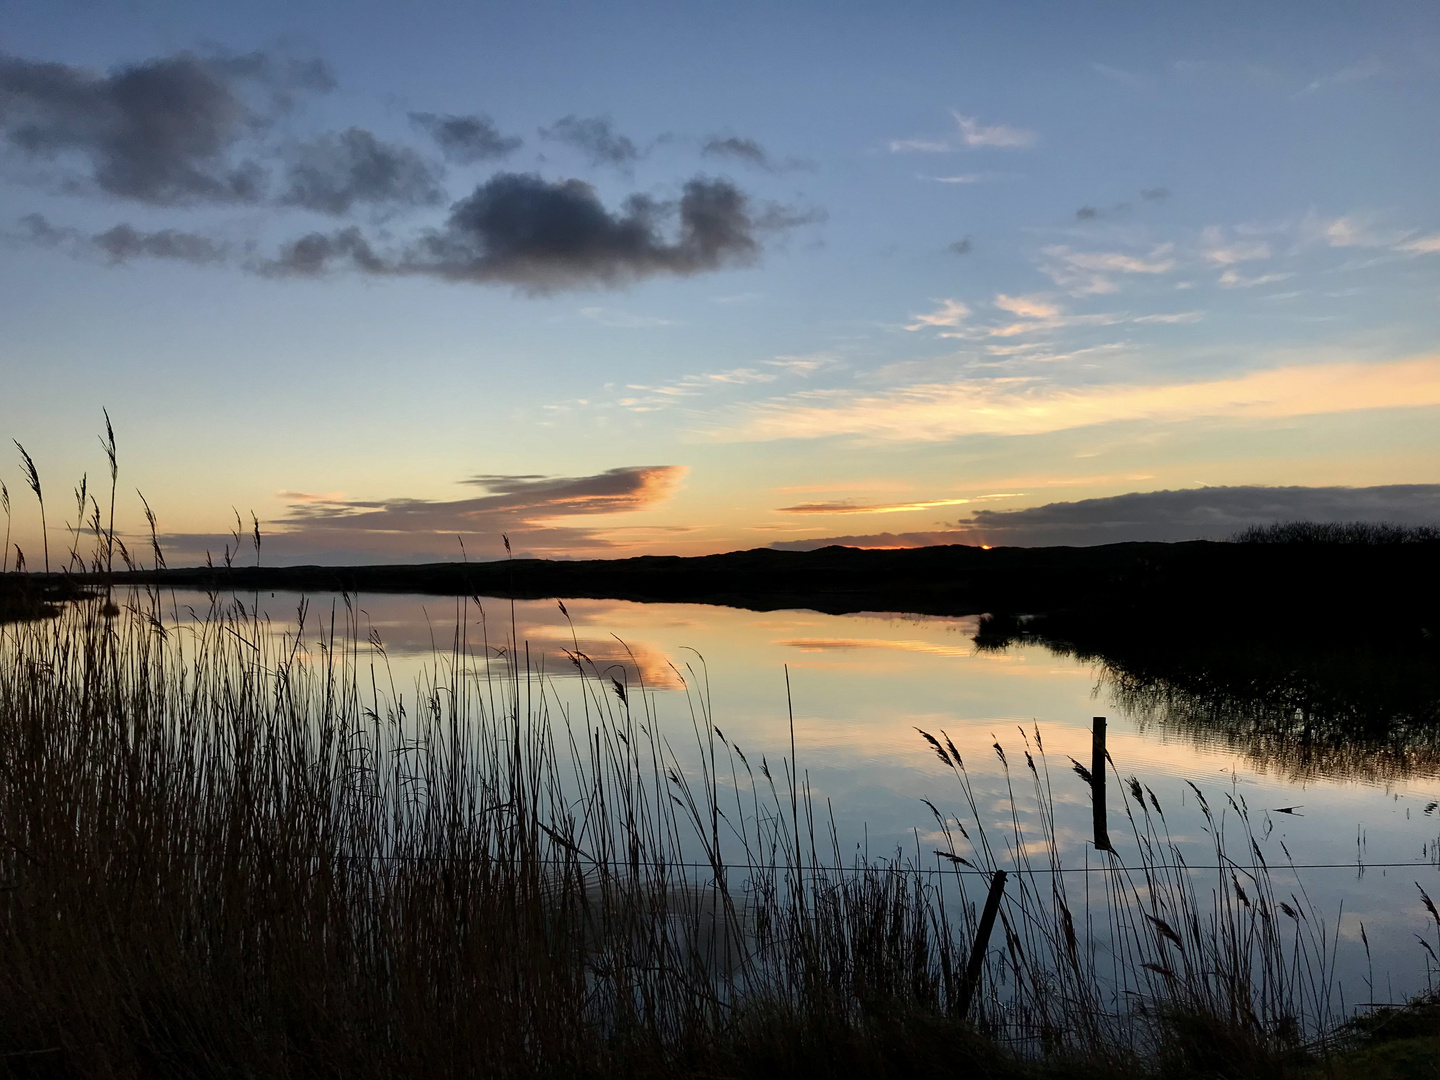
x: 1097, y: 784
x: 976, y: 963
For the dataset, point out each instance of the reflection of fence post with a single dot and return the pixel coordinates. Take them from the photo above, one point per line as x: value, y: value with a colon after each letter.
x: 1097, y: 784
x: 982, y: 942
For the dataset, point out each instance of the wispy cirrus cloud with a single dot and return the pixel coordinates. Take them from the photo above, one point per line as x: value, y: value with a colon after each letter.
x: 1026, y: 314
x: 1027, y: 405
x: 1233, y: 279
x: 851, y: 506
x: 974, y: 133
x: 949, y: 313
x: 1421, y: 245
x: 1221, y: 250
x: 1091, y: 273
x: 654, y: 397
x: 970, y: 134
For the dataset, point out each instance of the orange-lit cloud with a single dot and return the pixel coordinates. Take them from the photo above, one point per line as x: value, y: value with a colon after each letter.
x: 847, y: 506
x: 1030, y: 406
x: 538, y: 513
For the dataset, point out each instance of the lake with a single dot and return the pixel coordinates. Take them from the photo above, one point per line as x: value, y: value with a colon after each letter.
x: 1361, y: 823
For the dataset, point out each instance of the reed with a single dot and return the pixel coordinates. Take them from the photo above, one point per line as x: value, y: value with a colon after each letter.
x: 232, y: 849
x: 229, y: 848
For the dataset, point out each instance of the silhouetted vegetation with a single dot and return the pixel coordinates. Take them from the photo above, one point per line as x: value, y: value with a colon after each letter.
x: 231, y: 851
x: 1376, y: 534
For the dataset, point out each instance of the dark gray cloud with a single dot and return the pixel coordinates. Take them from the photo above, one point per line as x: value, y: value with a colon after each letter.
x: 316, y: 253
x: 162, y: 131
x: 123, y: 243
x: 466, y: 139
x: 747, y: 150
x: 333, y: 173
x: 1095, y: 213
x: 960, y: 247
x: 596, y: 137
x: 531, y: 510
x: 1212, y: 513
x: 542, y: 235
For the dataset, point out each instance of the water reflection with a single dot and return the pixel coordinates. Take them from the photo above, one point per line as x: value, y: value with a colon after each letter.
x: 1336, y: 702
x: 1297, y: 721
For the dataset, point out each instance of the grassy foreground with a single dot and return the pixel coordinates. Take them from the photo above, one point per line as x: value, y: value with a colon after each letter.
x: 228, y: 851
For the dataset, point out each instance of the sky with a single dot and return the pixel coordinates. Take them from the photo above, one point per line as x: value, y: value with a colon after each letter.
x: 644, y: 278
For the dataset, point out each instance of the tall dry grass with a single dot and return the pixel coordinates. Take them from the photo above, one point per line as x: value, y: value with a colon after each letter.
x: 228, y: 848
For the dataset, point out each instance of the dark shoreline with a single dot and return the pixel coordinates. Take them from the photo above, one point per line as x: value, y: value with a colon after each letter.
x: 1194, y: 577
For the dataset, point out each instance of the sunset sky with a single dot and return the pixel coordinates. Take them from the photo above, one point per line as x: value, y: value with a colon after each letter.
x: 682, y: 278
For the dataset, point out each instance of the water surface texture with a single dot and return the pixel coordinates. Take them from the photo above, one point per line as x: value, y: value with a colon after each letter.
x: 857, y: 688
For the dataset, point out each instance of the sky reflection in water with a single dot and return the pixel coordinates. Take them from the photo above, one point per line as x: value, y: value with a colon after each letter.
x: 860, y: 685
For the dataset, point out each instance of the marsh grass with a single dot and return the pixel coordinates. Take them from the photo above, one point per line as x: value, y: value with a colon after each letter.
x: 230, y: 848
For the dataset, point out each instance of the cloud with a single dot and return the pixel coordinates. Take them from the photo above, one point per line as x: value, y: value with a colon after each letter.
x: 1086, y: 273
x: 596, y: 137
x: 333, y: 173
x: 159, y: 132
x: 803, y: 365
x: 1170, y: 317
x: 973, y: 133
x: 1027, y: 307
x: 545, y: 235
x: 316, y: 253
x: 1366, y: 69
x: 466, y: 139
x: 1213, y: 513
x: 123, y: 243
x: 654, y: 398
x: 849, y: 506
x: 538, y: 513
x: 1421, y: 245
x: 1154, y: 194
x: 542, y: 235
x: 949, y: 313
x: 1222, y: 253
x: 875, y: 540
x: 1233, y: 279
x: 920, y: 146
x: 1029, y: 406
x: 962, y: 178
x: 1036, y: 312
x: 750, y: 152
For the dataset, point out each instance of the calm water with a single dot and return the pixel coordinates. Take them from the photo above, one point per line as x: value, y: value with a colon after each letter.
x: 860, y: 685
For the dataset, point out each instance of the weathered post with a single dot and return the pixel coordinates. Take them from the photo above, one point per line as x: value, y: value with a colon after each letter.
x: 982, y: 942
x: 1097, y: 784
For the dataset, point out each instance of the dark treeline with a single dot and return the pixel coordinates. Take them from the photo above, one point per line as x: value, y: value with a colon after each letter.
x: 1212, y: 581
